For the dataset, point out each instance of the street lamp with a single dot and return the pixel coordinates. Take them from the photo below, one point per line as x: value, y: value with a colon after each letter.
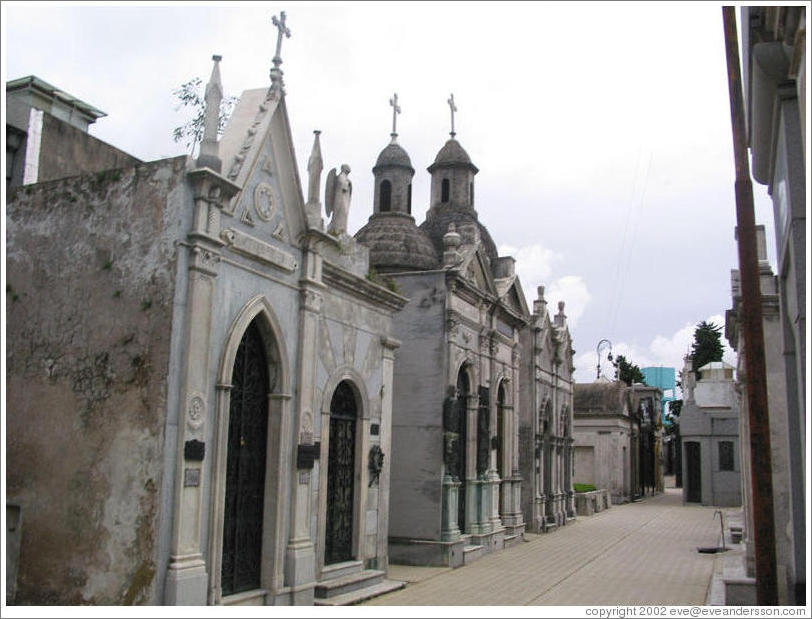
x: 598, y: 350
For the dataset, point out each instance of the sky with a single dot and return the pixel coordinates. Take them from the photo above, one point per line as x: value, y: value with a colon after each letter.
x: 601, y: 131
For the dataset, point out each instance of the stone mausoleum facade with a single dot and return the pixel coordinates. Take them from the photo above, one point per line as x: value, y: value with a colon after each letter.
x: 200, y: 379
x: 470, y: 348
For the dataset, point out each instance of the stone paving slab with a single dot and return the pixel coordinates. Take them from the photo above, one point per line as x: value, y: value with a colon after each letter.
x: 638, y: 553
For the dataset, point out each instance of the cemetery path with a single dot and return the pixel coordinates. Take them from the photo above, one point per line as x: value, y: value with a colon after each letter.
x: 637, y: 553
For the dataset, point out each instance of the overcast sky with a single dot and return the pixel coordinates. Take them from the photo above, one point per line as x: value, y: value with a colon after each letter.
x: 601, y: 131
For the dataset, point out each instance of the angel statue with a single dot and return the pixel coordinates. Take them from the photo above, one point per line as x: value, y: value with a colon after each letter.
x: 337, y: 196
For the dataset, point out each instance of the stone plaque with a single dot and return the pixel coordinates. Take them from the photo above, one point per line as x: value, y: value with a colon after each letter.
x: 191, y: 478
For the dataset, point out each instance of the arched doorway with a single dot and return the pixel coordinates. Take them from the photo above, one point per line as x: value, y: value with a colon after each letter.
x: 463, y: 390
x: 245, y: 465
x: 341, y: 475
x: 500, y: 440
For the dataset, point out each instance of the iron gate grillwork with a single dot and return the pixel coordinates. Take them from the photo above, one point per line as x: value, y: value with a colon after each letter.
x: 245, y: 466
x: 463, y: 388
x: 341, y: 475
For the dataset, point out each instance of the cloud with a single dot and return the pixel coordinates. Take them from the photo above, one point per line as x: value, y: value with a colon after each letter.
x: 535, y: 267
x: 534, y: 263
x: 663, y: 350
x: 573, y: 291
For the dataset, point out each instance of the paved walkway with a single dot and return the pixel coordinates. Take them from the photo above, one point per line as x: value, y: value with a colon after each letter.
x: 638, y: 553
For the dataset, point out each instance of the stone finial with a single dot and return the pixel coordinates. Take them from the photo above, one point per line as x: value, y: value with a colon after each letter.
x: 451, y: 244
x: 276, y: 72
x: 209, y: 155
x: 314, y: 168
x: 560, y: 317
x: 540, y: 304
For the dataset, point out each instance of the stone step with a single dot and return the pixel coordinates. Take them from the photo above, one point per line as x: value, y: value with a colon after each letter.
x: 348, y: 582
x: 472, y: 553
x: 360, y: 595
x: 512, y: 540
x: 336, y: 570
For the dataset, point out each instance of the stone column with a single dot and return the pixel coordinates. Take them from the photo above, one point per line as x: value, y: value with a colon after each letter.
x: 389, y: 346
x: 187, y: 578
x: 300, y: 555
x: 450, y: 529
x: 472, y: 489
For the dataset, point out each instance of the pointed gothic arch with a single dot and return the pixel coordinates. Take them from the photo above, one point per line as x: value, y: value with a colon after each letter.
x: 255, y: 326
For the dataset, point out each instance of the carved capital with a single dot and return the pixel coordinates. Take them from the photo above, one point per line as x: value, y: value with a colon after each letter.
x: 204, y: 260
x: 311, y: 300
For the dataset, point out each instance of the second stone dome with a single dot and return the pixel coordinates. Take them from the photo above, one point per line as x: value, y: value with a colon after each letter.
x: 394, y: 155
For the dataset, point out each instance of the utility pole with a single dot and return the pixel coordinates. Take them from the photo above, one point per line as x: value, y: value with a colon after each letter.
x: 755, y: 367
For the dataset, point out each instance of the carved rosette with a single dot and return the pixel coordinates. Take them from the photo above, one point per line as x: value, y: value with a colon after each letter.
x: 196, y: 414
x: 264, y: 201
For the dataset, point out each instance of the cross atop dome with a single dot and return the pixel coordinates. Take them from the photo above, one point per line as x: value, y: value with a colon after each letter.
x: 395, y: 111
x: 453, y: 109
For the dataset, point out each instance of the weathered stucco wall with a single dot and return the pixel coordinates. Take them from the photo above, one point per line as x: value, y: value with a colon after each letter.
x: 90, y: 282
x: 67, y: 151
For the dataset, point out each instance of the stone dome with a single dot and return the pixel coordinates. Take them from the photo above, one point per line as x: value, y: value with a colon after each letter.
x: 452, y: 154
x: 395, y: 243
x: 394, y: 155
x: 463, y: 218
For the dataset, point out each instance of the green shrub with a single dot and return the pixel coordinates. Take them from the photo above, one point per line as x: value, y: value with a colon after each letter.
x: 583, y: 487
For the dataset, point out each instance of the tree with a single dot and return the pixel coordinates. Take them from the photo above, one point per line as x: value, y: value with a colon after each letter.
x: 707, y: 345
x: 672, y: 417
x: 627, y: 372
x: 190, y: 95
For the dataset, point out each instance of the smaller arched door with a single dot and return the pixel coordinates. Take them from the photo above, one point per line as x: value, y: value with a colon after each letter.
x: 463, y: 391
x: 341, y: 475
x: 500, y: 445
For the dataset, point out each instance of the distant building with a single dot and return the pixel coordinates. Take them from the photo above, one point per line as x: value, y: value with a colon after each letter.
x: 665, y: 380
x: 47, y: 135
x: 709, y: 427
x: 618, y: 438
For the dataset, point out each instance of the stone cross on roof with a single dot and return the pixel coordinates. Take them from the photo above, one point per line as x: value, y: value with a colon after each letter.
x: 453, y: 109
x: 283, y: 30
x: 395, y: 111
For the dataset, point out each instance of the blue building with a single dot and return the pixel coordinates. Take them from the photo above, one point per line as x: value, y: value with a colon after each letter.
x: 665, y: 379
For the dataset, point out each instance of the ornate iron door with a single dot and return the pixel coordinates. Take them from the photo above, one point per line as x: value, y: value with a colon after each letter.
x: 245, y: 466
x: 693, y: 464
x: 341, y: 476
x: 462, y: 418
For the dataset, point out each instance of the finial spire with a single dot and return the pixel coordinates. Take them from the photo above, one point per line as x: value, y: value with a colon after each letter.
x: 453, y: 109
x: 209, y: 152
x: 395, y: 111
x: 276, y: 72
